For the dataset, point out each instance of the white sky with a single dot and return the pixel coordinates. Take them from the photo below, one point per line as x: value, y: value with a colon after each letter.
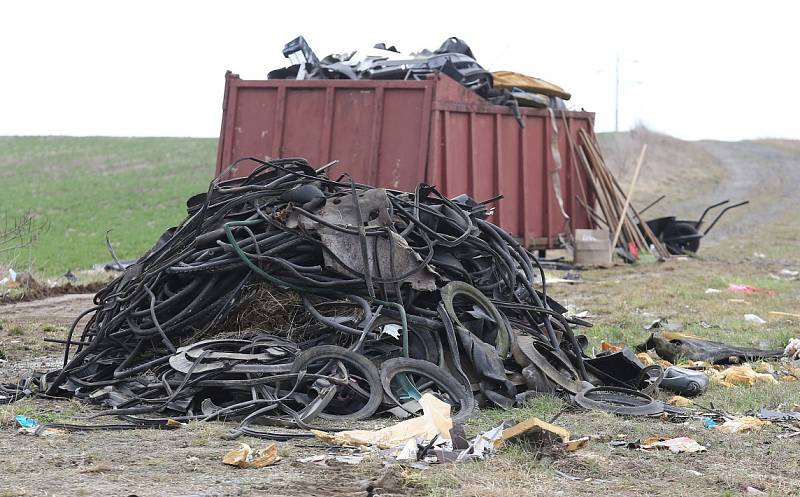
x: 723, y: 70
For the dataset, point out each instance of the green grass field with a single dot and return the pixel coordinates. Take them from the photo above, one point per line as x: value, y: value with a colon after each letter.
x: 84, y: 186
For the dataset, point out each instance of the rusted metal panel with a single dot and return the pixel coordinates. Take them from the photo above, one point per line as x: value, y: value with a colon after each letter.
x: 397, y: 133
x: 378, y: 130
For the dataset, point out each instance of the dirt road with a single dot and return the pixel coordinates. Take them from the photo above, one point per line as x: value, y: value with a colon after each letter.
x: 765, y: 175
x: 60, y: 310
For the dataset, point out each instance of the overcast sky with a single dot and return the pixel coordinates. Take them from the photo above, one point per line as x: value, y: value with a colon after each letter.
x: 722, y: 70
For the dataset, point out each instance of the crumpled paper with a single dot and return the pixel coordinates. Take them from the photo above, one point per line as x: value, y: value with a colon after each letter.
x: 676, y: 445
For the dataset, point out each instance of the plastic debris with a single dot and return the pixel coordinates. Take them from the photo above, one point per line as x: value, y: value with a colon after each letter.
x: 676, y: 445
x: 663, y: 324
x: 245, y: 457
x: 26, y: 422
x: 484, y: 444
x: 741, y: 375
x: 747, y: 289
x: 610, y: 347
x: 645, y: 359
x: 753, y: 318
x: 739, y: 425
x: 678, y: 401
x: 770, y: 415
x: 435, y: 421
x: 712, y: 290
x: 709, y: 423
x: 792, y: 350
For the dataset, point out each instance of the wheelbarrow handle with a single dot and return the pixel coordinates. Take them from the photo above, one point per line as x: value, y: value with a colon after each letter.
x: 726, y: 209
x: 700, y: 221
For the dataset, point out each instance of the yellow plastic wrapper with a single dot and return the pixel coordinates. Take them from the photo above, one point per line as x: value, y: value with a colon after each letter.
x: 645, y: 358
x: 741, y: 375
x: 739, y: 425
x: 678, y: 401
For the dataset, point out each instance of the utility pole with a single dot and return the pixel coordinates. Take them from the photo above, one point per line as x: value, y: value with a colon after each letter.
x: 616, y: 95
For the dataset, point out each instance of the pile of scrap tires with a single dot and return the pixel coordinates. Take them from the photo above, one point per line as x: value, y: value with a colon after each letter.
x: 401, y: 293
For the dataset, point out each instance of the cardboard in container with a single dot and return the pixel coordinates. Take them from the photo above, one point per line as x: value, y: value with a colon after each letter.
x: 593, y: 247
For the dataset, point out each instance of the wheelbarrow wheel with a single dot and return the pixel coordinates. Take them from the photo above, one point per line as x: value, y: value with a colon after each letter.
x: 681, y: 238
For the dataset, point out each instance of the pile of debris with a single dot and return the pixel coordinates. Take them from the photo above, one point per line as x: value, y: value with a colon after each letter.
x: 453, y: 58
x: 374, y: 297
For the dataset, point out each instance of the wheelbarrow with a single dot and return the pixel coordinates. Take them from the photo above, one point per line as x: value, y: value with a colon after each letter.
x: 682, y: 236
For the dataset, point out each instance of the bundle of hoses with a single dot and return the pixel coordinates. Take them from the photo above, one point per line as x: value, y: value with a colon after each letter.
x: 406, y: 293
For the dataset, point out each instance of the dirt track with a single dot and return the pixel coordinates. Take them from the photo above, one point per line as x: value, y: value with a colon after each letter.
x: 60, y: 310
x: 755, y: 171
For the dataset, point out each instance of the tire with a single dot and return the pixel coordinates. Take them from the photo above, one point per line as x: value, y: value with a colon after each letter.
x: 370, y: 372
x: 392, y: 367
x: 616, y: 400
x: 456, y: 288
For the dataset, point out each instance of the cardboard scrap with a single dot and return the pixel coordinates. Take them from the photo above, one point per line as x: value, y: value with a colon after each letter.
x: 535, y: 428
x: 246, y: 457
x: 738, y: 425
x: 435, y: 420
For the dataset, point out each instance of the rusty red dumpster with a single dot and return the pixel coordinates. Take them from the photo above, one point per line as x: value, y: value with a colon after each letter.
x: 395, y: 134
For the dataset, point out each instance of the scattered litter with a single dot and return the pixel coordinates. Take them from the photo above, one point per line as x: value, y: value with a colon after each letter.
x: 678, y: 401
x: 534, y: 429
x: 747, y: 289
x: 9, y: 281
x: 712, y: 290
x: 782, y: 315
x: 754, y: 491
x: 676, y: 346
x: 709, y: 423
x: 741, y: 375
x: 792, y: 350
x: 684, y: 382
x: 677, y: 445
x: 645, y: 358
x: 245, y: 457
x: 753, y: 318
x: 352, y: 459
x: 26, y: 422
x: 739, y: 425
x: 576, y: 444
x: 786, y: 274
x: 662, y: 323
x: 484, y: 444
x: 770, y: 415
x: 759, y: 255
x: 434, y: 422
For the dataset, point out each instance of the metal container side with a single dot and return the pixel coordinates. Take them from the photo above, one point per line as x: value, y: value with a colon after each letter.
x: 395, y: 134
